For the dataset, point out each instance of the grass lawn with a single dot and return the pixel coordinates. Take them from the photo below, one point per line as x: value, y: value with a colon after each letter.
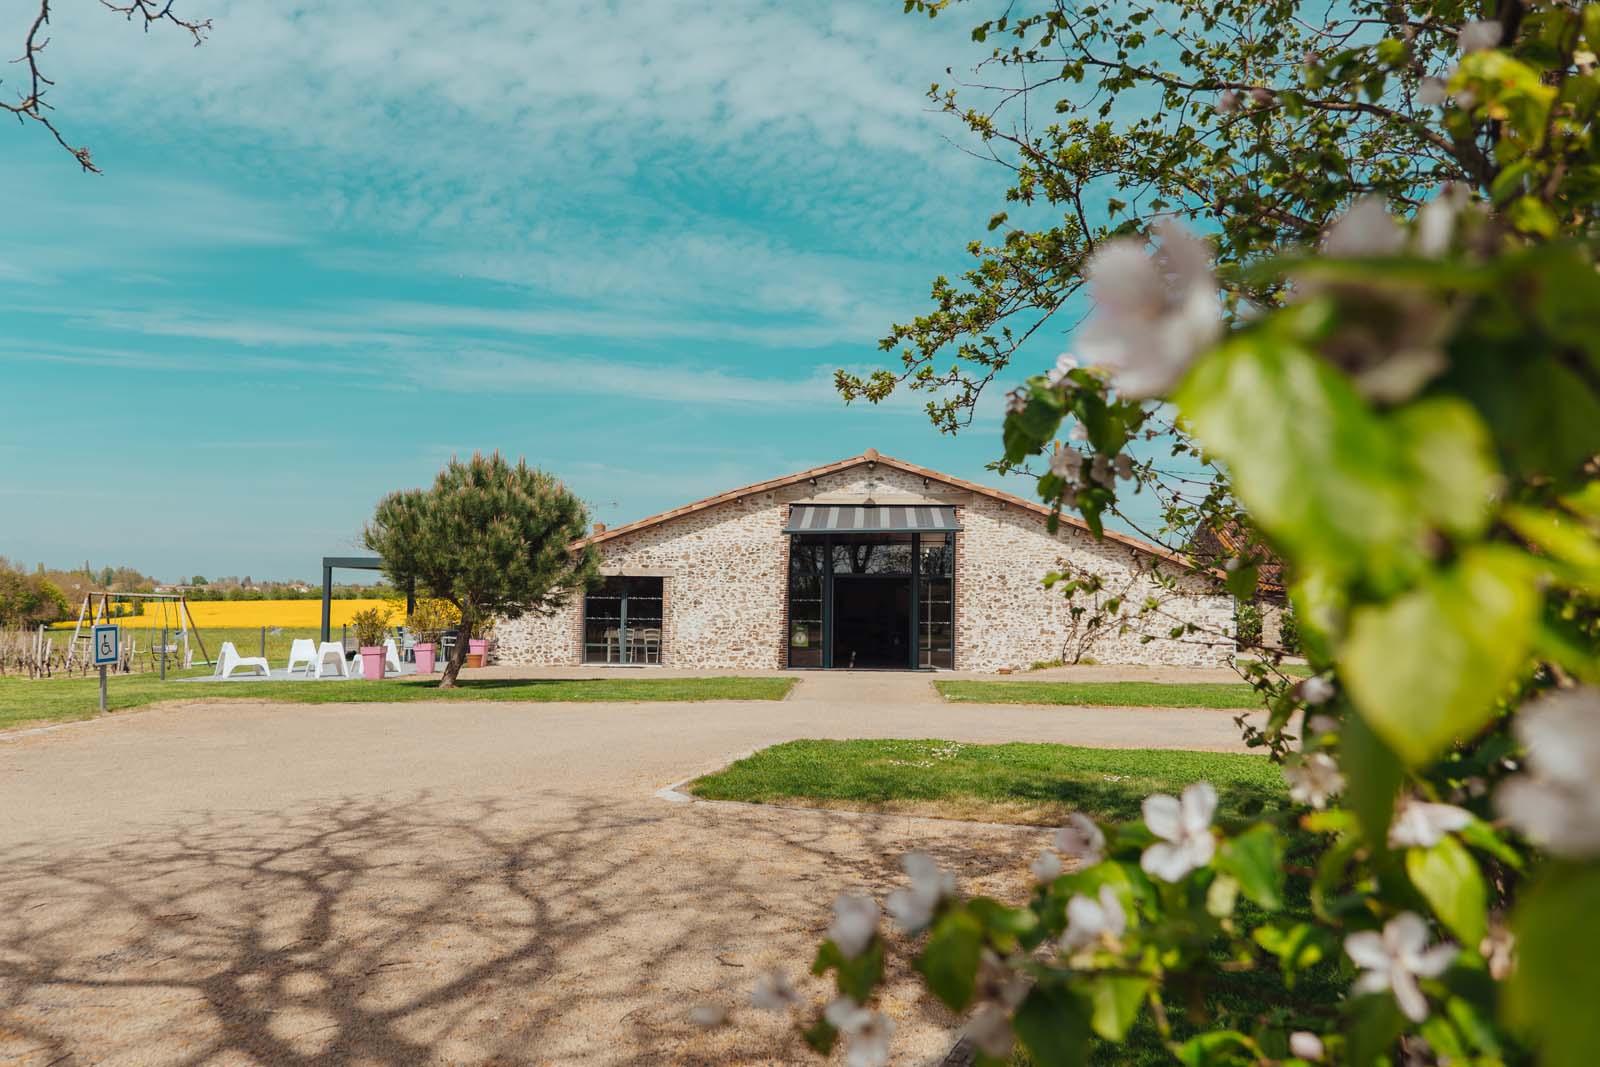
x: 1111, y: 694
x: 63, y: 699
x: 1018, y: 783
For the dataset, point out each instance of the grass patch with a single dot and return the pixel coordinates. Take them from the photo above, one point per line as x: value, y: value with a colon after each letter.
x: 1109, y: 694
x: 64, y: 699
x: 1019, y: 783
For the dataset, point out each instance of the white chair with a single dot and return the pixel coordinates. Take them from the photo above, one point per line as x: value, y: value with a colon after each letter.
x: 391, y: 656
x: 335, y: 651
x: 303, y: 652
x: 353, y: 668
x: 229, y: 660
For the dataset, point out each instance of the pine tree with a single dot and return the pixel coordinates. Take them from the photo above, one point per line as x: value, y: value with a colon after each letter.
x: 490, y: 538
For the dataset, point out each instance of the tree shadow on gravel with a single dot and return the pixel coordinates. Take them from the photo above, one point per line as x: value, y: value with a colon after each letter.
x: 432, y: 931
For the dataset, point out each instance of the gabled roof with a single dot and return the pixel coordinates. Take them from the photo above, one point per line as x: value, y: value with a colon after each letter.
x: 872, y: 456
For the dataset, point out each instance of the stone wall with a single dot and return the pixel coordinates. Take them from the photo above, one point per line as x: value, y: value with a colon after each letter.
x: 725, y: 571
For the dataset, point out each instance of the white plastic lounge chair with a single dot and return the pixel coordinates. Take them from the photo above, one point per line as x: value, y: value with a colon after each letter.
x: 331, y: 650
x: 229, y: 660
x: 354, y: 668
x: 302, y: 653
x: 391, y: 656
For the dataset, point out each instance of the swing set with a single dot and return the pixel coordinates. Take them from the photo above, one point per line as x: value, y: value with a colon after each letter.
x: 167, y: 629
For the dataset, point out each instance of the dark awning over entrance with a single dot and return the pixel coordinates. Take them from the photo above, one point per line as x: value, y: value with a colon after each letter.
x: 893, y: 518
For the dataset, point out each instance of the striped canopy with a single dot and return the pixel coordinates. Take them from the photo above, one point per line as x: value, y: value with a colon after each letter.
x: 845, y: 518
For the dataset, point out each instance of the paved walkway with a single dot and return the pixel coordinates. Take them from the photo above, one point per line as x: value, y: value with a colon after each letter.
x: 464, y: 883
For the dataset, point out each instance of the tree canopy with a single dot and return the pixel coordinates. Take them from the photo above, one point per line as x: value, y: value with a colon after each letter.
x: 490, y: 538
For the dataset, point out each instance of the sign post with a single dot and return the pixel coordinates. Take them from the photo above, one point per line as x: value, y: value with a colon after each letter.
x: 107, y: 642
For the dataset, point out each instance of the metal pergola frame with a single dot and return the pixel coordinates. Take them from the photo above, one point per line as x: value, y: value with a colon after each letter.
x: 353, y: 563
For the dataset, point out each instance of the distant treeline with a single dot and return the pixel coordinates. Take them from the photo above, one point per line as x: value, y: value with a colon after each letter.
x: 41, y: 595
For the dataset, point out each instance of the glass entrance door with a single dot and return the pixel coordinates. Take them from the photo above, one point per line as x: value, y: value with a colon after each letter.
x: 872, y: 600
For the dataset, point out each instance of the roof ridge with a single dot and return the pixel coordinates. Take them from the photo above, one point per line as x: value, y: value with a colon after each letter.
x: 870, y: 457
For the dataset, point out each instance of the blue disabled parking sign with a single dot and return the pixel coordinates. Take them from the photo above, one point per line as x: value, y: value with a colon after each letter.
x: 106, y: 645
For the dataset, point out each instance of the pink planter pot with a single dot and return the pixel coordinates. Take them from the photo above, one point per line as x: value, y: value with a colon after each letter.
x: 425, y: 654
x: 372, y: 662
x: 478, y: 646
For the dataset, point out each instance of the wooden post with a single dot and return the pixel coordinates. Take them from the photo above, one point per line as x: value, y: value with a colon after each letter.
x: 263, y: 642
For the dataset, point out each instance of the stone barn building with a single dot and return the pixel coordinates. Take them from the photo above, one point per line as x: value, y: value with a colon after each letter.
x: 870, y: 562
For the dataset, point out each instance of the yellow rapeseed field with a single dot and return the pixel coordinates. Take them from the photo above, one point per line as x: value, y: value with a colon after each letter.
x: 297, y: 614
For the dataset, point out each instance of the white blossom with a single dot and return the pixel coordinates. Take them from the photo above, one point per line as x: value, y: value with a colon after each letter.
x: 1431, y: 91
x: 1499, y: 950
x: 1079, y: 432
x: 708, y: 1015
x: 1091, y: 921
x: 1184, y: 827
x: 1436, y: 222
x: 1000, y: 981
x: 1124, y: 466
x: 1153, y: 315
x: 1478, y: 36
x: 1066, y: 463
x: 774, y: 993
x: 1322, y: 724
x: 1046, y: 866
x: 1227, y: 102
x: 1081, y: 839
x: 1100, y: 469
x: 1557, y: 802
x: 1016, y: 402
x: 990, y: 1031
x: 855, y: 923
x: 1313, y: 780
x: 1466, y: 99
x: 1066, y: 362
x: 868, y: 1031
x: 913, y: 906
x: 1318, y: 689
x: 1263, y: 97
x: 1367, y: 229
x: 1306, y: 1045
x: 1421, y: 824
x: 1396, y: 958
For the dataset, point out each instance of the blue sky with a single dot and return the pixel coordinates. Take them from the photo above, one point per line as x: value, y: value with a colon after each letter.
x: 340, y: 243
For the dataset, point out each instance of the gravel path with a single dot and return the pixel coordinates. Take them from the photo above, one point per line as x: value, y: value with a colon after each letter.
x: 468, y: 883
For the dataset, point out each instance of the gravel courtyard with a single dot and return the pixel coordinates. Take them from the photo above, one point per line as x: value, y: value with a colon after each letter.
x: 472, y: 883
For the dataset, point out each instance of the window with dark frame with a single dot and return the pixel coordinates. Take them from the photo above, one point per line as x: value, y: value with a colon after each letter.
x: 622, y: 621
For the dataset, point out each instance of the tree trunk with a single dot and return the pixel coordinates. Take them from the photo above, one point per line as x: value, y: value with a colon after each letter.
x: 458, y: 658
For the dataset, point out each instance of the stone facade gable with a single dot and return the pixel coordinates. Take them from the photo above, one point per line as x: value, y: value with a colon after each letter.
x: 725, y: 579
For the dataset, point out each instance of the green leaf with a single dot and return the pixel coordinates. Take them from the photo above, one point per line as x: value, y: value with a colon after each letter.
x: 1115, y: 1001
x: 1219, y: 1048
x: 1449, y: 880
x: 1255, y: 858
x: 1427, y: 667
x: 855, y: 978
x: 1450, y: 451
x: 821, y: 1036
x: 1297, y: 946
x: 1375, y: 1023
x: 1242, y: 582
x: 1053, y: 1025
x: 949, y: 960
x: 1373, y: 774
x: 1552, y: 992
x: 1275, y: 413
x: 1565, y: 539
